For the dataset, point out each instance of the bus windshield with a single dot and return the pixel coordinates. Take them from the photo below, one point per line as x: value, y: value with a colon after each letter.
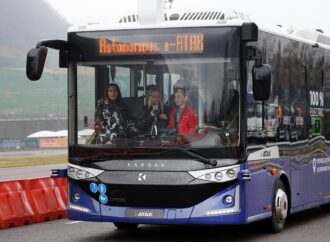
x: 169, y: 102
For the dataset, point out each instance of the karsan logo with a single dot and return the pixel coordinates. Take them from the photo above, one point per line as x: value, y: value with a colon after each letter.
x: 145, y: 214
x: 142, y: 177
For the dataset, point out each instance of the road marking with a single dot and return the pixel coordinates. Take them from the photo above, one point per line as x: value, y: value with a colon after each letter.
x: 74, y: 222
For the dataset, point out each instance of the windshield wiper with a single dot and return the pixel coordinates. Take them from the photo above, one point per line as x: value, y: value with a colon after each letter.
x: 198, y: 157
x: 201, y: 158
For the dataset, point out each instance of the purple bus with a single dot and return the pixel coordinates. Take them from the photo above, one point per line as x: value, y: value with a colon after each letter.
x: 123, y: 171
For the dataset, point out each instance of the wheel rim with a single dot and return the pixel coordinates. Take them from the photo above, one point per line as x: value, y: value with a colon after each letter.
x: 281, y: 204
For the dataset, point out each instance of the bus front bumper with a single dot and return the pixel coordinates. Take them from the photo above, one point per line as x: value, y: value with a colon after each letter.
x: 225, y: 207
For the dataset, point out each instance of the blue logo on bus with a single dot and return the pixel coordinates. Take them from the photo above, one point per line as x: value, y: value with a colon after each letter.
x: 103, y: 198
x: 102, y: 188
x: 93, y: 187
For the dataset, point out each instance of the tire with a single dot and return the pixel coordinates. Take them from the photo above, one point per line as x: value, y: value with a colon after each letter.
x: 326, y: 206
x: 280, y: 208
x: 125, y: 226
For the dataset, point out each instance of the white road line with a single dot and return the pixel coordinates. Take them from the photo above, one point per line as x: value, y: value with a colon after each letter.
x: 74, y: 222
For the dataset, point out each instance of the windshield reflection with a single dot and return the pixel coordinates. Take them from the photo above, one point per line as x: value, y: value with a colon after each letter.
x: 169, y: 103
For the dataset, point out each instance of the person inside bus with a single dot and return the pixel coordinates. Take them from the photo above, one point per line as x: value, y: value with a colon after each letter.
x: 232, y: 101
x: 182, y: 117
x: 156, y: 112
x: 110, y: 118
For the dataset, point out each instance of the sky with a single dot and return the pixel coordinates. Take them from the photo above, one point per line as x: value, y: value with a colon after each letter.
x: 302, y: 14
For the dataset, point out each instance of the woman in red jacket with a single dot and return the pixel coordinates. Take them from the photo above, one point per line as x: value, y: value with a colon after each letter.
x: 182, y: 117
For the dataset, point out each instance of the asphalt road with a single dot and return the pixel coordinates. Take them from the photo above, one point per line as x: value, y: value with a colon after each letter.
x: 311, y: 225
x: 14, y: 153
x: 25, y: 172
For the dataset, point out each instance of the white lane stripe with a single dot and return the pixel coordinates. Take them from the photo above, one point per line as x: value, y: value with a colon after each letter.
x: 74, y: 222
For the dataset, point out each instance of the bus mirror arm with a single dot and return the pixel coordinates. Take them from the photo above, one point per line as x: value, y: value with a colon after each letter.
x: 60, y: 45
x: 36, y: 57
x: 56, y: 44
x: 253, y: 53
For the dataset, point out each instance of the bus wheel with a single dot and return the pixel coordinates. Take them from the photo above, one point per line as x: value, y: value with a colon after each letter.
x: 280, y: 208
x: 326, y: 206
x: 125, y: 226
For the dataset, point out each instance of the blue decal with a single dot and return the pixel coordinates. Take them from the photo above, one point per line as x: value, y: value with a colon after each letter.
x: 93, y: 187
x: 103, y: 198
x: 102, y: 188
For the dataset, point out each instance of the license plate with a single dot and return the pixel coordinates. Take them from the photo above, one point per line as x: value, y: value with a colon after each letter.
x: 144, y: 213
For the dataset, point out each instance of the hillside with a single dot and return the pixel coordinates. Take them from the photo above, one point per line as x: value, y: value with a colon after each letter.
x: 24, y: 23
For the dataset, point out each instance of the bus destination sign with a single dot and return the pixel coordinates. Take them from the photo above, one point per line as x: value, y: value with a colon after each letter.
x: 155, y: 44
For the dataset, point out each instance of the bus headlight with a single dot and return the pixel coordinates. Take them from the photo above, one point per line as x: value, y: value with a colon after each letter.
x: 231, y: 173
x: 221, y: 174
x: 71, y: 171
x: 79, y: 172
x: 218, y: 176
x: 228, y: 200
x: 79, y: 208
x: 76, y: 196
x: 208, y: 177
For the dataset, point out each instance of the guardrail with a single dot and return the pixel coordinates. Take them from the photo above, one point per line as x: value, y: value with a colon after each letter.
x: 31, y: 201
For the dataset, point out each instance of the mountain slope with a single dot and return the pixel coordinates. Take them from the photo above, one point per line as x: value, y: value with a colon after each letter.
x: 24, y: 23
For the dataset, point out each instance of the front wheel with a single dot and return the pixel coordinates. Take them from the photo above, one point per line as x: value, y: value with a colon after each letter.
x: 125, y: 226
x: 326, y: 206
x: 280, y: 208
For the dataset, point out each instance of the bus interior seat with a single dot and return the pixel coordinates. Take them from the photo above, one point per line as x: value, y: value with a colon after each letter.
x: 134, y: 107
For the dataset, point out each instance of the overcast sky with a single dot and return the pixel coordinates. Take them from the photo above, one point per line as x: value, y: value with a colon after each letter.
x: 311, y: 14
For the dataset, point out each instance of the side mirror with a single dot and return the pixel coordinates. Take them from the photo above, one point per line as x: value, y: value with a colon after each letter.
x: 35, y: 62
x: 261, y: 82
x: 249, y: 32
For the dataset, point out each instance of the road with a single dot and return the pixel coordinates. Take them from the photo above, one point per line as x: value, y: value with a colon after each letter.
x: 311, y: 225
x: 14, y: 153
x: 25, y: 172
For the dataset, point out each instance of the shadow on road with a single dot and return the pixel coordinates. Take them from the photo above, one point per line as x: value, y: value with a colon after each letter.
x: 258, y: 231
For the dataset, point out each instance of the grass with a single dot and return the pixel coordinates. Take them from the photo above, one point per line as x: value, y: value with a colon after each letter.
x: 33, y: 160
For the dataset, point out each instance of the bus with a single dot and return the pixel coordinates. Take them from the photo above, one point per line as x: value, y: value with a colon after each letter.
x: 231, y: 169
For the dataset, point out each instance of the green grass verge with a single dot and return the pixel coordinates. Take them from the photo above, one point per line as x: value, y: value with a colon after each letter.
x: 33, y: 160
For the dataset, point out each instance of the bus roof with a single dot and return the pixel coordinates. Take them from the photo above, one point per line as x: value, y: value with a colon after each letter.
x: 207, y: 17
x: 172, y: 19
